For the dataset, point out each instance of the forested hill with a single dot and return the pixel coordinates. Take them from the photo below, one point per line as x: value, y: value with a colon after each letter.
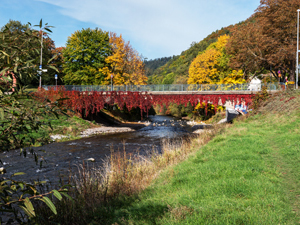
x: 152, y: 64
x: 175, y: 71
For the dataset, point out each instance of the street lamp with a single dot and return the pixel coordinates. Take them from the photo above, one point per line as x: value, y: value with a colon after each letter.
x: 56, y: 81
x: 297, y: 55
x: 41, y: 70
x: 111, y: 83
x: 41, y: 59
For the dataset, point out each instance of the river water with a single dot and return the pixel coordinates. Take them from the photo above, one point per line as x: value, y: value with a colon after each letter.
x: 61, y: 157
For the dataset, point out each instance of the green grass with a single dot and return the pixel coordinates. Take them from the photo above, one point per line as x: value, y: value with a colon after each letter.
x: 247, y: 175
x: 68, y: 125
x: 32, y: 89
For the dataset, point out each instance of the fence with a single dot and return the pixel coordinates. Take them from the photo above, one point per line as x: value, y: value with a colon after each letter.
x: 171, y: 87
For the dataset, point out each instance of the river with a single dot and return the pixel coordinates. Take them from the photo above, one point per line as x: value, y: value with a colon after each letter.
x: 61, y: 157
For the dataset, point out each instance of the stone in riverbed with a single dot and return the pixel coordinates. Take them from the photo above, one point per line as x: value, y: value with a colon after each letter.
x: 90, y: 159
x: 2, y: 170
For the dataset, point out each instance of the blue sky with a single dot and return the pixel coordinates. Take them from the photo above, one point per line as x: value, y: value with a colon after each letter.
x: 155, y: 28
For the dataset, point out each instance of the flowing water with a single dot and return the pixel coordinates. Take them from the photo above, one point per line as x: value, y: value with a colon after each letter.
x: 61, y: 157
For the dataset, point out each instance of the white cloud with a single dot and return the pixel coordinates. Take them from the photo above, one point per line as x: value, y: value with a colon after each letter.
x: 158, y: 28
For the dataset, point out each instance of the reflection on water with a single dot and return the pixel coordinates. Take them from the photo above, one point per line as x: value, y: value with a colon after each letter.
x: 61, y: 157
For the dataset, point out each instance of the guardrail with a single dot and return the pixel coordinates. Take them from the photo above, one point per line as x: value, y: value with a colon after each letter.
x: 171, y: 87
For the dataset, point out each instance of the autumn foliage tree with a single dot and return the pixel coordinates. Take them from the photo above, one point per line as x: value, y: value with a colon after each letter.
x: 267, y: 41
x: 202, y: 69
x: 92, y: 56
x: 125, y: 64
x: 211, y: 66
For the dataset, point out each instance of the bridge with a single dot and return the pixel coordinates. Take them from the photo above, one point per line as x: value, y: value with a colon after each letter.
x: 92, y: 98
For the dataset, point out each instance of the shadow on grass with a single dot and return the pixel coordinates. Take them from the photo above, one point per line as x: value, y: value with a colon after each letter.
x: 128, y: 210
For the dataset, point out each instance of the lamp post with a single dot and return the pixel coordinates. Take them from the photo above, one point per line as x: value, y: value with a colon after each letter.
x: 111, y: 77
x: 41, y: 70
x: 56, y: 81
x: 297, y: 55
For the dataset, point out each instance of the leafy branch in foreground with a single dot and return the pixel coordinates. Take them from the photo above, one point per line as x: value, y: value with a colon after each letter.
x: 19, y: 122
x: 16, y: 195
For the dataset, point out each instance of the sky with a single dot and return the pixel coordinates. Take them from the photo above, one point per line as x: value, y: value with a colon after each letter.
x: 155, y: 28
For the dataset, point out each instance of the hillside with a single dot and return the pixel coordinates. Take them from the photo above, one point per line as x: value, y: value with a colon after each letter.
x: 175, y: 71
x: 152, y: 64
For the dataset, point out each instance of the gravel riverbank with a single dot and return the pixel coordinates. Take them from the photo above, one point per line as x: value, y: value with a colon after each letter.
x: 125, y: 127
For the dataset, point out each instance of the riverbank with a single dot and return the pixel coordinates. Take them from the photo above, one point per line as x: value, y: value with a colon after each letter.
x: 101, y: 129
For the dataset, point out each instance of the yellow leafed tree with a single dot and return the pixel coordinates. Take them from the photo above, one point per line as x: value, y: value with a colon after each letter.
x: 211, y: 66
x: 202, y: 70
x: 235, y: 77
x: 126, y: 65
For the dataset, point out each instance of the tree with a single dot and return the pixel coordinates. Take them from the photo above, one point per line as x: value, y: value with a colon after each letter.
x: 20, y: 51
x: 15, y: 26
x: 245, y: 48
x: 202, y: 69
x: 268, y: 41
x: 84, y: 57
x: 211, y: 66
x: 233, y: 77
x: 125, y: 64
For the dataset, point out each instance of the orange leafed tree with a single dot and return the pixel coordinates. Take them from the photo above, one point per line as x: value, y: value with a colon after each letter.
x: 267, y: 41
x: 126, y: 65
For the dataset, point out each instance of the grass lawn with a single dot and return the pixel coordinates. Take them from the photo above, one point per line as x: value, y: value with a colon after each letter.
x: 247, y: 175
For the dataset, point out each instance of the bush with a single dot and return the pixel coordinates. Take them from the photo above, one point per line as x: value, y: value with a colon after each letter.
x: 259, y: 98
